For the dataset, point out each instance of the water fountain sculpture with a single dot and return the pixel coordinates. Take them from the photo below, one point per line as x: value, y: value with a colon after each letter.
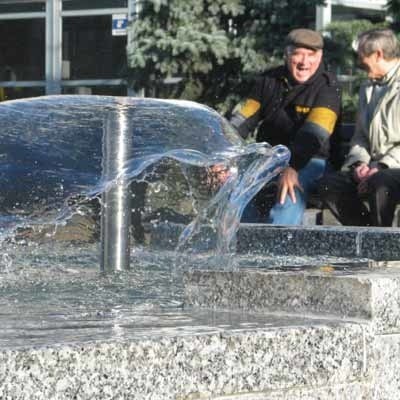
x: 77, y: 147
x: 238, y: 326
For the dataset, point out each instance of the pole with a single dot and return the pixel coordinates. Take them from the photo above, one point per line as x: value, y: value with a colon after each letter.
x: 115, y: 205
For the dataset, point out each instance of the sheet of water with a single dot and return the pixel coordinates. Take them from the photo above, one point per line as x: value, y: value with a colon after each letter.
x: 51, y: 158
x: 53, y: 294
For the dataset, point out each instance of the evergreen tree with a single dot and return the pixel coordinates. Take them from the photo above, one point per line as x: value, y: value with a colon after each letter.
x: 393, y: 6
x: 209, y: 48
x: 339, y: 51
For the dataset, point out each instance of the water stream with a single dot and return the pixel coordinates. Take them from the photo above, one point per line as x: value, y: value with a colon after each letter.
x: 53, y: 176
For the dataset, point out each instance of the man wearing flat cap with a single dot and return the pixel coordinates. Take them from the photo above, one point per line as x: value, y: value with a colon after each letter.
x: 296, y: 105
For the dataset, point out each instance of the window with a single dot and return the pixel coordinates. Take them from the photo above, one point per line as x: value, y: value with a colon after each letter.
x: 22, y: 49
x: 89, y: 49
x: 91, y: 4
x: 24, y: 7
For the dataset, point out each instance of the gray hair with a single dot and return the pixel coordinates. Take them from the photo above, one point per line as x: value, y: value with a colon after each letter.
x: 378, y: 39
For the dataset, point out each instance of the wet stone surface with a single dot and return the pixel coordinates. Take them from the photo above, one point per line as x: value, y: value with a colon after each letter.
x: 226, y: 354
x: 351, y: 242
x: 367, y: 291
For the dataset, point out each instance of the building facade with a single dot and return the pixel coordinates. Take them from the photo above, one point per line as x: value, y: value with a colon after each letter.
x: 63, y: 47
x: 79, y: 46
x: 349, y: 9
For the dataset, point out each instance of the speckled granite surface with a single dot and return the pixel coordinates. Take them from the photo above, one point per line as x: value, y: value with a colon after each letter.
x: 350, y: 391
x: 222, y: 355
x: 386, y: 378
x: 374, y: 243
x: 371, y: 293
x: 283, y: 354
x: 268, y: 239
x: 368, y: 293
x: 367, y: 242
x: 322, y: 334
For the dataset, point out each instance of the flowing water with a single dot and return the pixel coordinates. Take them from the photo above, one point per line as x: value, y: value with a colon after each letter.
x: 182, y: 160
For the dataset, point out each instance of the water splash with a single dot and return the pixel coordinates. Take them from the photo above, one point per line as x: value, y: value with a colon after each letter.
x: 52, y: 171
x: 52, y: 148
x: 248, y: 174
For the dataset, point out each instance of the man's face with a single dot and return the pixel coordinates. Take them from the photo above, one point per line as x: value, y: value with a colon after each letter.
x: 303, y: 63
x: 372, y: 65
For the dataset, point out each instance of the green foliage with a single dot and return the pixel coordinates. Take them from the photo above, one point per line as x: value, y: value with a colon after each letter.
x: 393, y: 7
x: 210, y: 46
x: 350, y: 98
x: 341, y: 57
x: 338, y: 45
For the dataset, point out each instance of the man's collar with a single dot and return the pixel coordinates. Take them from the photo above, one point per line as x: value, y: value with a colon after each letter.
x: 388, y: 77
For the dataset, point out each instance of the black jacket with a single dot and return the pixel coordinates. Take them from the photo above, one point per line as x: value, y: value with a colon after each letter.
x: 299, y: 116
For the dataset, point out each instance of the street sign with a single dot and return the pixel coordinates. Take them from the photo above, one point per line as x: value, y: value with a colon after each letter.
x: 119, y: 24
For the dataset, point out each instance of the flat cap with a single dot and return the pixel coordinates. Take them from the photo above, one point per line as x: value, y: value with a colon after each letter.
x: 305, y: 38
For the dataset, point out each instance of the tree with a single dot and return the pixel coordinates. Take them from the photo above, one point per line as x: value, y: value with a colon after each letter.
x: 341, y: 57
x: 209, y: 48
x: 393, y: 7
x: 339, y: 52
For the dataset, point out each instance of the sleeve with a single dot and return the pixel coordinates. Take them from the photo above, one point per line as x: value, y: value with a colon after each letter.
x: 392, y: 157
x: 359, y: 144
x: 319, y: 125
x: 248, y: 115
x: 359, y: 147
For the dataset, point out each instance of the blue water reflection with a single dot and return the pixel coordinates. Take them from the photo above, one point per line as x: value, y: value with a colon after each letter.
x: 51, y: 147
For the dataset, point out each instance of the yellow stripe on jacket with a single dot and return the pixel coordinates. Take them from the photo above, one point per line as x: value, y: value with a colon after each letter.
x: 249, y: 108
x: 324, y: 117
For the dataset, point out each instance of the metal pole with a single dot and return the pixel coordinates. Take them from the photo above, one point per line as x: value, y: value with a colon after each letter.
x: 323, y: 15
x: 115, y: 207
x: 53, y: 46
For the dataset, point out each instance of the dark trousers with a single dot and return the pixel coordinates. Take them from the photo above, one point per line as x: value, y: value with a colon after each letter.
x: 376, y: 207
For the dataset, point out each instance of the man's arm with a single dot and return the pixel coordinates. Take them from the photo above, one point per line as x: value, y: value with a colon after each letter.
x: 312, y: 136
x: 392, y: 157
x: 359, y: 145
x: 246, y: 118
x: 319, y: 125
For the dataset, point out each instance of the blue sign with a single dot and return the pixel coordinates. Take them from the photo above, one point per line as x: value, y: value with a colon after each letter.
x: 119, y: 24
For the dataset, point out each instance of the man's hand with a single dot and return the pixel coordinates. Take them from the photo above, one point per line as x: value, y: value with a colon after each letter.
x: 288, y: 181
x: 362, y: 186
x: 360, y: 172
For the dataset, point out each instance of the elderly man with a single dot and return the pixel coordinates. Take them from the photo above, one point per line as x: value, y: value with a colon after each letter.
x: 367, y: 189
x: 296, y: 105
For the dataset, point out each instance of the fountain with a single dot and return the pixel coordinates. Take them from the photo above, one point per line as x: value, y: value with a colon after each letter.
x: 90, y: 312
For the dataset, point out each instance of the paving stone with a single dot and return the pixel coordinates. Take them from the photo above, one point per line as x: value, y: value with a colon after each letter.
x: 361, y: 242
x: 361, y: 291
x: 273, y: 355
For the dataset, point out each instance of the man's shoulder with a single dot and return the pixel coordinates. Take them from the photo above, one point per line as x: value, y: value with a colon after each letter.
x: 330, y: 78
x: 269, y: 81
x: 279, y: 72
